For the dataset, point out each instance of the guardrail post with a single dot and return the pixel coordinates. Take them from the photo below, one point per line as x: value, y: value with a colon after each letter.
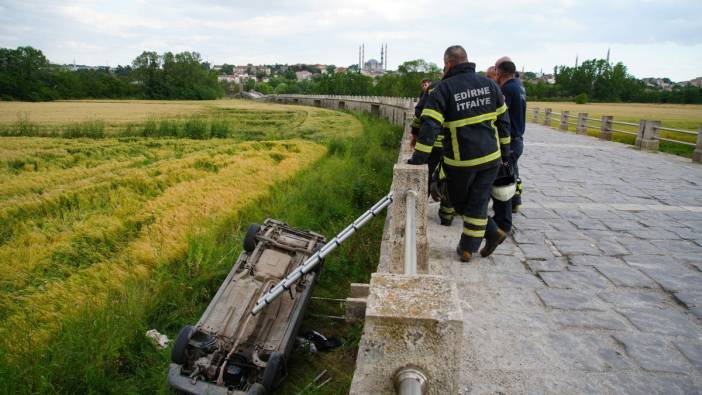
x: 547, y: 117
x: 564, y: 119
x: 581, y: 127
x: 535, y: 115
x: 647, y: 136
x: 697, y: 154
x: 606, y: 127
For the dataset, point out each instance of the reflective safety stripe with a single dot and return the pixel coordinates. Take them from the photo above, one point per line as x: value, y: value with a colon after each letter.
x: 472, y: 120
x: 428, y: 112
x: 449, y: 210
x: 439, y: 143
x: 454, y: 143
x: 473, y: 162
x: 474, y: 233
x: 501, y: 109
x: 422, y: 147
x: 505, y: 140
x: 442, y: 175
x: 475, y: 221
x: 416, y: 122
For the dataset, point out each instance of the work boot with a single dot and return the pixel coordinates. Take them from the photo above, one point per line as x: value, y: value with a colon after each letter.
x: 464, y: 254
x: 490, y: 245
x: 446, y: 222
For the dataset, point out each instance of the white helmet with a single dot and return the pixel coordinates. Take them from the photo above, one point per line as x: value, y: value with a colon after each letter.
x: 504, y: 193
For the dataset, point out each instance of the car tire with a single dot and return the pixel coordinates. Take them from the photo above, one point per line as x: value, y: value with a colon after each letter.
x: 181, y: 342
x: 250, y: 238
x: 257, y: 389
x: 274, y: 367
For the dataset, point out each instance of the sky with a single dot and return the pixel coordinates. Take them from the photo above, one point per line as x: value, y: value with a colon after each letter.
x: 653, y: 38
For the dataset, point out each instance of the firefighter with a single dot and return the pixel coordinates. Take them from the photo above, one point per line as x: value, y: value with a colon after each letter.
x: 491, y: 73
x: 446, y: 211
x: 469, y: 111
x: 515, y: 98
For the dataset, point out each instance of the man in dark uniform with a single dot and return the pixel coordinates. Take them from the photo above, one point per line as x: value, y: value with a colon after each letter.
x: 515, y: 98
x: 446, y: 211
x: 469, y: 111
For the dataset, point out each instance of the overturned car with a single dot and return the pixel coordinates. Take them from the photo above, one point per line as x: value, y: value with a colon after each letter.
x: 230, y: 350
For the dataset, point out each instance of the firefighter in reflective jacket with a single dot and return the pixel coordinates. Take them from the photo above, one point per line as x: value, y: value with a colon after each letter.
x: 469, y: 111
x: 446, y: 211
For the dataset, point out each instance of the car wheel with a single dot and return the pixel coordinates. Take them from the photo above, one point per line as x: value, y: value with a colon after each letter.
x: 250, y: 238
x: 274, y: 367
x: 181, y: 342
x: 257, y: 389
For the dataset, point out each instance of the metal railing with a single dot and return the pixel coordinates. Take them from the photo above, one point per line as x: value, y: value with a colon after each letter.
x: 411, y: 233
x: 648, y: 133
x: 318, y: 256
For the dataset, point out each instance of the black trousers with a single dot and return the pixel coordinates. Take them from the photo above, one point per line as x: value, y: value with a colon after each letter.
x: 446, y: 210
x: 469, y: 192
x: 503, y: 210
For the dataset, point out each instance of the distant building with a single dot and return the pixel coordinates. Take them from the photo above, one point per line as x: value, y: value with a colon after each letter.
x: 694, y: 82
x: 661, y: 83
x: 340, y: 69
x: 373, y: 66
x: 303, y: 75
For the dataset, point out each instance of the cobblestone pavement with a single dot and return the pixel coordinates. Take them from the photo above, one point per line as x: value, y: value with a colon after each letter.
x: 600, y: 288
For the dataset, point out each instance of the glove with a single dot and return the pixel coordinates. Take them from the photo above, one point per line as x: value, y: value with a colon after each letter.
x: 418, y: 158
x: 413, y: 142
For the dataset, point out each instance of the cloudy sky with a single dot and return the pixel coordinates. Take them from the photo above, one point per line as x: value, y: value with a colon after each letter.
x: 653, y: 38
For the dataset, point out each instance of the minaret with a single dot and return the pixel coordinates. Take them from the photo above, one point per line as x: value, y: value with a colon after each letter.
x: 576, y: 61
x: 386, y: 56
x: 382, y: 57
x: 607, y: 55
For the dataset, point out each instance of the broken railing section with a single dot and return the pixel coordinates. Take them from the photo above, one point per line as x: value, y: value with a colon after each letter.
x: 413, y: 332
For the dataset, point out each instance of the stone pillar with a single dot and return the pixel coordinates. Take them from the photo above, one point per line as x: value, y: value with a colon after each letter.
x: 564, y: 120
x: 547, y: 117
x: 410, y: 321
x: 647, y: 137
x: 581, y: 127
x: 535, y: 115
x: 697, y: 154
x: 356, y: 302
x: 606, y: 127
x: 408, y: 177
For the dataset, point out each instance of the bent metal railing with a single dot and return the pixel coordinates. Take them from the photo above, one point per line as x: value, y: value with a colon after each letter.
x: 405, y: 227
x: 647, y: 133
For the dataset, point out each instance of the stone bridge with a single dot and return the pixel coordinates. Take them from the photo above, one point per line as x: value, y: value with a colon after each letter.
x: 598, y: 290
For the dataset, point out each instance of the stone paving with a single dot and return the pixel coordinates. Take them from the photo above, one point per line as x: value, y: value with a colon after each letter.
x: 599, y: 290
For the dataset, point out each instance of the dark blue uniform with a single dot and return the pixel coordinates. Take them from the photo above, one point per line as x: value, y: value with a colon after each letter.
x: 515, y: 98
x: 470, y: 113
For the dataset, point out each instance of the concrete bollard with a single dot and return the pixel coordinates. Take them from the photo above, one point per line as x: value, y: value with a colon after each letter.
x: 564, y: 120
x: 647, y: 136
x: 697, y: 154
x: 606, y: 127
x: 408, y: 178
x: 411, y: 321
x: 581, y: 127
x: 547, y: 117
x: 535, y: 115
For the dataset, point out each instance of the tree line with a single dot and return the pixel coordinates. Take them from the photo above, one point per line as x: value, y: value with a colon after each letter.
x: 601, y: 81
x: 26, y: 74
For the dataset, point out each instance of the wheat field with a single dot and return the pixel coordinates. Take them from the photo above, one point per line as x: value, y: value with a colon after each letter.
x: 81, y: 216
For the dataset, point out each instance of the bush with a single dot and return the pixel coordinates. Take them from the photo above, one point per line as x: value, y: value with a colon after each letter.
x: 581, y: 98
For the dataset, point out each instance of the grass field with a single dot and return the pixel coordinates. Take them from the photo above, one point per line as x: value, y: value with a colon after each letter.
x: 104, y: 238
x: 679, y: 116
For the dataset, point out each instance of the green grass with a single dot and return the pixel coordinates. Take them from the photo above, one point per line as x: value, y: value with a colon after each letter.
x: 106, y: 351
